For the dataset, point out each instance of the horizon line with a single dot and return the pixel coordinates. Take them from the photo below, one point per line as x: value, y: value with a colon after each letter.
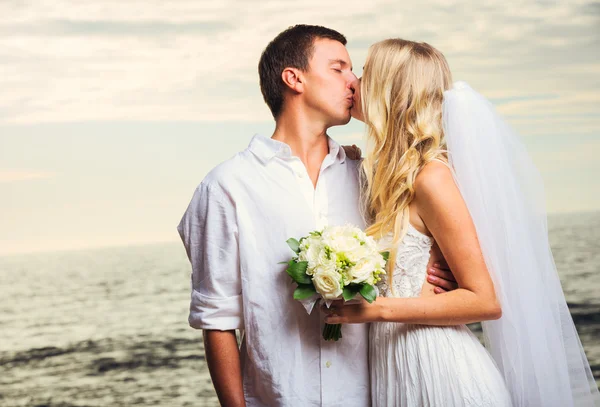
x: 141, y: 243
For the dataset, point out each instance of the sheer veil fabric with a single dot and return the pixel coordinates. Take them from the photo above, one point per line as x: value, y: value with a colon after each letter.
x: 535, y: 343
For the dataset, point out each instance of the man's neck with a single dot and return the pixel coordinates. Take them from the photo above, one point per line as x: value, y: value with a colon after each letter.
x: 307, y: 140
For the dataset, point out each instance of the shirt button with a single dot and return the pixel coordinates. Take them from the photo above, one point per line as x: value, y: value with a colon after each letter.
x: 328, y: 364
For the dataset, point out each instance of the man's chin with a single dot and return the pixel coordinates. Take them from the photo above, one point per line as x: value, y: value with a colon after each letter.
x: 340, y: 123
x: 343, y: 120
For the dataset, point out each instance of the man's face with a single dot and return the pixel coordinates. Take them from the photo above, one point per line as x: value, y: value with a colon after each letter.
x: 328, y: 82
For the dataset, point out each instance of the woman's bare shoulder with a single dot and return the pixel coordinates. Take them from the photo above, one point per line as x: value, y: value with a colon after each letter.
x: 432, y: 178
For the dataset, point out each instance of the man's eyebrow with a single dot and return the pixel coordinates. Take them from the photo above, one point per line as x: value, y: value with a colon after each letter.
x: 340, y: 61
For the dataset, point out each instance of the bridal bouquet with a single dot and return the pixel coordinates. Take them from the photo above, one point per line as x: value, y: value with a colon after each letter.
x: 337, y: 262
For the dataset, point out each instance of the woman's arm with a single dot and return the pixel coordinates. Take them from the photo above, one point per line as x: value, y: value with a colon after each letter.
x: 439, y: 274
x: 441, y: 207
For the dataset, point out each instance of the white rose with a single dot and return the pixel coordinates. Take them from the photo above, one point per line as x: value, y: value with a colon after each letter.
x: 356, y: 255
x: 307, y: 241
x: 313, y: 255
x: 363, y: 271
x: 360, y: 234
x: 327, y: 283
x: 350, y: 243
x: 325, y: 261
x: 378, y: 259
x: 331, y: 235
x: 371, y: 243
x: 345, y: 243
x: 310, y: 249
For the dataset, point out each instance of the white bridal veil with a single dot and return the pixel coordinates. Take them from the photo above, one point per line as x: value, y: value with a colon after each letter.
x: 534, y: 344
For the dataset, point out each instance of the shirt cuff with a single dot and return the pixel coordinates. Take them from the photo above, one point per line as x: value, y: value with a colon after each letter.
x: 221, y: 314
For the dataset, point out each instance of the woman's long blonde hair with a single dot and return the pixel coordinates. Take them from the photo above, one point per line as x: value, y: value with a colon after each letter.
x: 402, y: 93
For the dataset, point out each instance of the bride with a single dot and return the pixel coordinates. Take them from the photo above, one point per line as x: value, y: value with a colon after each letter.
x: 443, y: 167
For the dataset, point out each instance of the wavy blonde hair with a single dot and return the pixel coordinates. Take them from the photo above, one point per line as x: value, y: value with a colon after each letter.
x: 402, y: 93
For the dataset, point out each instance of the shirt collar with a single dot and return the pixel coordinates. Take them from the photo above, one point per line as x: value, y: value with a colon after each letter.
x: 265, y: 148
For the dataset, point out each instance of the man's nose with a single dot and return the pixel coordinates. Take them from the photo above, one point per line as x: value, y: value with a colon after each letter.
x: 352, y: 82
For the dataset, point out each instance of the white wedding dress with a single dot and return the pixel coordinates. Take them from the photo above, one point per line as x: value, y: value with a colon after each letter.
x: 422, y: 365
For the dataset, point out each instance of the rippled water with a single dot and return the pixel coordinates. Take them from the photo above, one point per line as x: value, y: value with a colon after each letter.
x: 109, y: 327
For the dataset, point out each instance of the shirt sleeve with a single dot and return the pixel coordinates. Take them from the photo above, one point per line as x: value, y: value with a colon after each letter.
x: 209, y: 233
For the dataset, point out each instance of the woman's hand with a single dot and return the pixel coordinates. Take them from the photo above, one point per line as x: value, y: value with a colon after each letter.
x: 359, y: 313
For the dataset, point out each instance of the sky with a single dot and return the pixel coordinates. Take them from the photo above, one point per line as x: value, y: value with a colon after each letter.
x: 112, y: 112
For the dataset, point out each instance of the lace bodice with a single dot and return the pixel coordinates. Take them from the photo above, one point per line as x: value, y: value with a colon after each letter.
x: 410, y: 270
x: 427, y: 365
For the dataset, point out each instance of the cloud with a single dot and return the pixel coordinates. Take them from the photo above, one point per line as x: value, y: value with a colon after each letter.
x: 19, y: 175
x: 189, y: 60
x: 65, y: 28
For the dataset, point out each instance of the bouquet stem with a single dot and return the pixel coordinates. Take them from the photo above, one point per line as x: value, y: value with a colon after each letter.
x: 332, y: 332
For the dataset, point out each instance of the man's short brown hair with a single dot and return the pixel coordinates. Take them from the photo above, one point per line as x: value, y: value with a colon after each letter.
x: 292, y: 48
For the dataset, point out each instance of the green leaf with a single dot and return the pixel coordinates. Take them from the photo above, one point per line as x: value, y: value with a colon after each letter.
x: 368, y: 292
x: 297, y: 270
x: 294, y: 244
x: 386, y: 255
x: 350, y: 291
x: 304, y: 291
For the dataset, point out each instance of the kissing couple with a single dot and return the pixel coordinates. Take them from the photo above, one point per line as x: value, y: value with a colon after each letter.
x: 445, y: 186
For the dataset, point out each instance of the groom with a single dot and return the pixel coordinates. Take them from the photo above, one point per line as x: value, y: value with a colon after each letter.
x: 240, y: 216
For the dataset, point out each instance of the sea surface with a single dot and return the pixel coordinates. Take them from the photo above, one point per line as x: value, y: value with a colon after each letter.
x: 108, y: 327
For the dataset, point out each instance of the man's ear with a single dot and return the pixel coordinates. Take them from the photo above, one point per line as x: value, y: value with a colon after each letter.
x: 293, y: 79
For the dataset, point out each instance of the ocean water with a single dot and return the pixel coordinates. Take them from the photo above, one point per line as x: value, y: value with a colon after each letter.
x: 108, y: 327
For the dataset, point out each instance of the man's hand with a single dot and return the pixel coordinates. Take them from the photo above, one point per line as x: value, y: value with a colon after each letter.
x: 438, y: 272
x: 353, y: 152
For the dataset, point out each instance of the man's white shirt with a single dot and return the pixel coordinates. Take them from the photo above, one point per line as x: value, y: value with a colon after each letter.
x: 235, y: 231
